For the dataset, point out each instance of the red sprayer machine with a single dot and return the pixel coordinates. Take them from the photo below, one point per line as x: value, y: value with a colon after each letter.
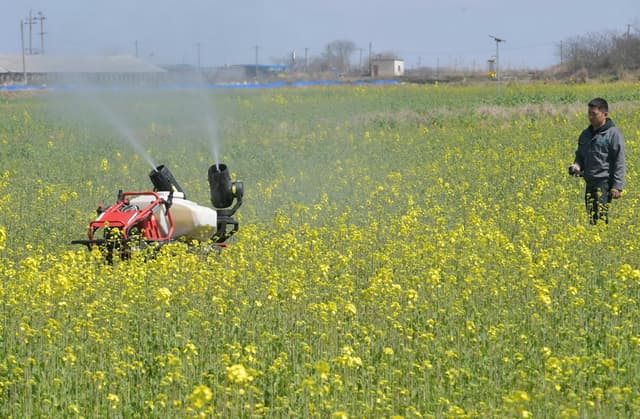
x: 140, y: 219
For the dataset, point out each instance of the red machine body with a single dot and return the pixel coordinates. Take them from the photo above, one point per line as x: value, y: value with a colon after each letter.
x: 130, y: 219
x: 124, y: 226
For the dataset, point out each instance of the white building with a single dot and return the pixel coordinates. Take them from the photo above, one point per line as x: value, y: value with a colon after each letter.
x: 387, y: 67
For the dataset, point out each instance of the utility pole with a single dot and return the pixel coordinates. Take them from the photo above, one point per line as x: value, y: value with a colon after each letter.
x: 370, y: 68
x: 498, y: 40
x: 198, y: 51
x: 31, y: 21
x: 41, y: 17
x: 257, y: 48
x: 24, y: 64
x: 306, y: 59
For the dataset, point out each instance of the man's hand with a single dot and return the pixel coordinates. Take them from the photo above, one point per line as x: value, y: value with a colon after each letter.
x: 574, y: 170
x: 615, y: 193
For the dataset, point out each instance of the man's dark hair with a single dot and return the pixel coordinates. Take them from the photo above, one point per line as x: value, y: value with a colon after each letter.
x: 599, y: 103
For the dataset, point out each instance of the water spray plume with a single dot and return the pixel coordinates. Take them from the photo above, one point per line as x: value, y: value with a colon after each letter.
x: 129, y: 136
x: 204, y: 104
x: 213, y: 142
x: 119, y: 125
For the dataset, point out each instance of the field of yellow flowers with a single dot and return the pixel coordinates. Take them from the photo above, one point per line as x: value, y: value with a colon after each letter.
x: 404, y: 251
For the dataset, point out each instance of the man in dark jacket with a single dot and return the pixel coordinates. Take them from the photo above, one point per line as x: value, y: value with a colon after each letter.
x: 600, y: 158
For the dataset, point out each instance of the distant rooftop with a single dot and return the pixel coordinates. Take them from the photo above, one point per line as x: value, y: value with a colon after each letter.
x: 76, y: 64
x: 386, y: 59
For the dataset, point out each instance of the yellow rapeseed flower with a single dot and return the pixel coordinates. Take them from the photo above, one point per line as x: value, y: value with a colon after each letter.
x: 238, y: 374
x: 200, y: 396
x: 114, y: 399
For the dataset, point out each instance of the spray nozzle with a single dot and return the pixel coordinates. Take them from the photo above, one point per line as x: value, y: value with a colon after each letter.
x: 163, y: 180
x: 223, y: 191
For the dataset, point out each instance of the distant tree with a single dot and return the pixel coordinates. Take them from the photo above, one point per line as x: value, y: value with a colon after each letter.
x: 337, y: 55
x: 625, y: 54
x: 590, y: 51
x: 318, y: 65
x: 599, y: 53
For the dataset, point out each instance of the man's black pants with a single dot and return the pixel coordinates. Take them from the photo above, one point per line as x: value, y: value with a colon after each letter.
x: 597, y: 199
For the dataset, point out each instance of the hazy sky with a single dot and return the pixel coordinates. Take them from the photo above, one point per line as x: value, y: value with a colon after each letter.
x: 423, y: 32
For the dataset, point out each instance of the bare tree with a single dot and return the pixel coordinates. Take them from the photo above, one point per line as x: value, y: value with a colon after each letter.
x: 337, y: 55
x: 625, y: 54
x: 598, y: 53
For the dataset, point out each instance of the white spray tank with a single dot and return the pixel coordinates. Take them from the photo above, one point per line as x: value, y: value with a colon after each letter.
x: 192, y: 221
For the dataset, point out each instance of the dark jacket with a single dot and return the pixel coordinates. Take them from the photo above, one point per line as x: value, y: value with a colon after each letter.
x: 601, y: 155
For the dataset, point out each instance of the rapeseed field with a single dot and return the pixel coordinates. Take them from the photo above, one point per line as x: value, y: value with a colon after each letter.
x: 404, y: 251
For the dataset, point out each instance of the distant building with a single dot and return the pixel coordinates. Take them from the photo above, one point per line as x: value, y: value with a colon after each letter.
x: 261, y: 70
x: 387, y: 67
x: 44, y: 69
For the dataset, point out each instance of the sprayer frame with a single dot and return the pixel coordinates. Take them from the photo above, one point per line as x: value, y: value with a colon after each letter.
x: 123, y: 217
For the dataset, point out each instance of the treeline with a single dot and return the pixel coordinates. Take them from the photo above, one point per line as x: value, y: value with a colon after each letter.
x: 601, y: 53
